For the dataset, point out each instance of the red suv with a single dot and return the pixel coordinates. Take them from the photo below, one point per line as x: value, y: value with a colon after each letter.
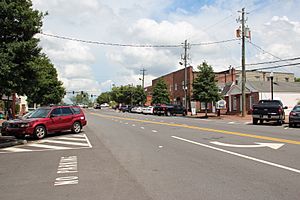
x: 46, y: 120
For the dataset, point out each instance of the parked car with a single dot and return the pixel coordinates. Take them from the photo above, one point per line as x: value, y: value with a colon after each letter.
x: 148, y: 110
x: 294, y: 117
x: 169, y: 109
x: 268, y: 110
x: 97, y: 106
x: 46, y: 120
x: 125, y: 108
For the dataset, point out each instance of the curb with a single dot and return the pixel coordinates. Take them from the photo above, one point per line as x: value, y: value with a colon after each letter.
x: 11, y: 142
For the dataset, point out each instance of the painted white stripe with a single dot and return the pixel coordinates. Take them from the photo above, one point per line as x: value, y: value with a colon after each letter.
x: 88, y: 141
x: 133, y: 124
x: 79, y: 135
x: 65, y: 142
x: 47, y: 146
x: 142, y: 127
x: 240, y: 155
x: 154, y: 131
x: 71, y: 138
x: 126, y: 123
x: 16, y: 149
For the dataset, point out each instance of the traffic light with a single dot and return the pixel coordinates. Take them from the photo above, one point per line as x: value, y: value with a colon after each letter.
x: 92, y: 96
x: 73, y: 92
x: 81, y: 92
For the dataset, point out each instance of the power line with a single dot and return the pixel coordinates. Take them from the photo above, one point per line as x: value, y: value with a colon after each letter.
x: 132, y: 45
x: 258, y: 47
x: 275, y: 67
x: 217, y: 42
x: 270, y: 62
x: 111, y: 44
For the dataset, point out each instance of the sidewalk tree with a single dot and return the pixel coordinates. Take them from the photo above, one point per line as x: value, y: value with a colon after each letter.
x: 47, y: 88
x: 204, y: 86
x: 19, y: 23
x: 160, y: 93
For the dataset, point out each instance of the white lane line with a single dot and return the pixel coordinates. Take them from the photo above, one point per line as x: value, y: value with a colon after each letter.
x: 239, y: 155
x: 15, y: 149
x: 154, y: 131
x: 286, y: 128
x: 65, y: 142
x: 231, y: 123
x: 133, y: 124
x: 126, y: 123
x: 71, y: 138
x: 48, y: 146
x: 142, y: 127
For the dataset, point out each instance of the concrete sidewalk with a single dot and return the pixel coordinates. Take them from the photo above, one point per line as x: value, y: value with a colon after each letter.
x: 235, y: 118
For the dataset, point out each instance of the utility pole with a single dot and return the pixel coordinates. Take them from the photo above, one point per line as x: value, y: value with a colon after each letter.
x: 185, y: 57
x: 243, y: 35
x: 143, y: 79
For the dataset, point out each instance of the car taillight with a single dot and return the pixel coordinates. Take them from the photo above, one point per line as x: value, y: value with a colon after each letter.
x: 280, y: 110
x: 293, y: 113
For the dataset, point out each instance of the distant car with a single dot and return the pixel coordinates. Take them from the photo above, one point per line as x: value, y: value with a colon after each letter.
x: 169, y: 110
x: 148, y: 110
x: 125, y: 108
x: 294, y: 117
x: 46, y: 120
x: 97, y: 106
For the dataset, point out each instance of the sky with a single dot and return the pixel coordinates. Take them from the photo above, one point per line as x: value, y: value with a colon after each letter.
x: 95, y: 68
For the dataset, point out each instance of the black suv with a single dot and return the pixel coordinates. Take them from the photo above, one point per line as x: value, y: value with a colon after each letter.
x: 169, y: 110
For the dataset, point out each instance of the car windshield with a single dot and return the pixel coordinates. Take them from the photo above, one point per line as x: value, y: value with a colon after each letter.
x: 40, y: 113
x: 297, y: 108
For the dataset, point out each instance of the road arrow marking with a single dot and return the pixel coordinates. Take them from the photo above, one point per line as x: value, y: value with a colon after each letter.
x: 239, y: 155
x: 257, y: 144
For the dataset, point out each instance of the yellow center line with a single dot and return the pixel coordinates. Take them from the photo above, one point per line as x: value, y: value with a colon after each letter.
x: 205, y: 129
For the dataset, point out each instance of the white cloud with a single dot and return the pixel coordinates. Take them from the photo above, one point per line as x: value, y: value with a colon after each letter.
x: 274, y: 25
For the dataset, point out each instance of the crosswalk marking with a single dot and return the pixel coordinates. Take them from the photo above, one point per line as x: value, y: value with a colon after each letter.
x: 65, y: 142
x: 47, y: 146
x: 14, y: 149
x: 74, y: 141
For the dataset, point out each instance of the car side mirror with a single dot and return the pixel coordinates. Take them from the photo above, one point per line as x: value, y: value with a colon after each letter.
x: 285, y: 107
x: 52, y: 115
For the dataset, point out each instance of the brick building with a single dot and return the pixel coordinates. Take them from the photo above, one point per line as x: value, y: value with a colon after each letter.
x: 228, y: 81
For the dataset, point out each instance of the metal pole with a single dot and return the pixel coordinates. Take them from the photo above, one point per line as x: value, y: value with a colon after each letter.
x: 185, y: 74
x: 243, y: 66
x: 271, y: 87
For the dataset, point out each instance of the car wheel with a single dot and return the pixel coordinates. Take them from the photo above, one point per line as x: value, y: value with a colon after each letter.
x: 40, y: 132
x: 254, y: 121
x: 279, y: 122
x: 291, y: 125
x: 76, y: 127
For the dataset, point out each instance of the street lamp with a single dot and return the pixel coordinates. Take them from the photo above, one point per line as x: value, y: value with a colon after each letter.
x: 271, y: 77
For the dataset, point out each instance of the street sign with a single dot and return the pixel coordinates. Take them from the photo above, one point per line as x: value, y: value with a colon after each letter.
x: 221, y: 104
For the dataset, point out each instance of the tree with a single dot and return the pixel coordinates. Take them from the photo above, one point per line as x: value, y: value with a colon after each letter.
x: 138, y: 96
x: 160, y: 93
x: 47, y: 88
x: 82, y: 98
x: 104, y: 97
x: 297, y: 79
x: 18, y: 47
x: 204, y: 86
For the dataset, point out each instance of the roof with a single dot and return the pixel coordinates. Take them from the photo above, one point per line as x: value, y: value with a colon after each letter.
x: 261, y: 86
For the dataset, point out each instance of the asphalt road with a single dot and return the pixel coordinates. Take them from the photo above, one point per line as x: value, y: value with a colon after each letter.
x: 133, y: 156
